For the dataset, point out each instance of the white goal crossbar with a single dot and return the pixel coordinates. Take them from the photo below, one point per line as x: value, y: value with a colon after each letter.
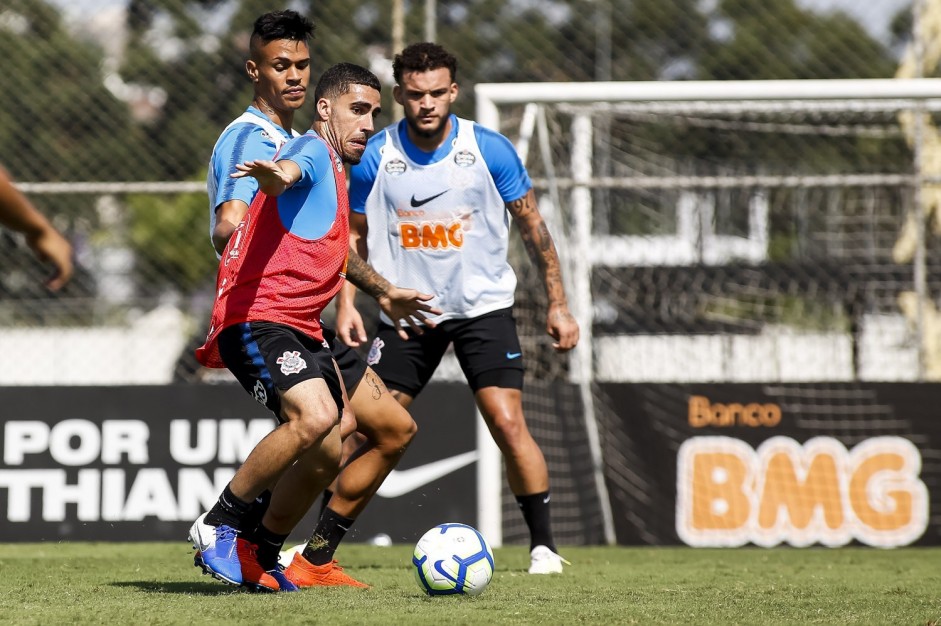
x: 490, y: 95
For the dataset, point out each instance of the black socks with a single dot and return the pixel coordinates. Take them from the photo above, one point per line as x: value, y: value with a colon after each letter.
x: 228, y: 510
x: 256, y: 511
x: 269, y: 546
x: 327, y: 537
x: 535, y: 510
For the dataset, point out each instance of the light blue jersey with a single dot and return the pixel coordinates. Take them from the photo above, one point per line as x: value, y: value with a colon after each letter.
x: 249, y: 137
x: 309, y: 207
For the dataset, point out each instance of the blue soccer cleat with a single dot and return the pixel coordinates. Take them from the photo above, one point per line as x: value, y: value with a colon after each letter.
x: 216, y: 550
x: 284, y: 584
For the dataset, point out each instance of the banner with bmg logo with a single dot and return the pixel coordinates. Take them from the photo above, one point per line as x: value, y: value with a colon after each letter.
x: 141, y: 463
x: 702, y: 465
x: 727, y: 465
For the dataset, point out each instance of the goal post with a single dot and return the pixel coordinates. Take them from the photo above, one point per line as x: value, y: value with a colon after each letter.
x: 813, y: 182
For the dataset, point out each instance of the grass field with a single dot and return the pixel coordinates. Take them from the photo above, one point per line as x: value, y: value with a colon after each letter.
x: 155, y: 583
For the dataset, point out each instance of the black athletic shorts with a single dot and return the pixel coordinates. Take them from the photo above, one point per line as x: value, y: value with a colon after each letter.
x: 487, y: 347
x: 267, y: 357
x: 351, y: 364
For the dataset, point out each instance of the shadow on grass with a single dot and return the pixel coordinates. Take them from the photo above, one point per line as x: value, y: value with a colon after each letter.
x: 196, y: 588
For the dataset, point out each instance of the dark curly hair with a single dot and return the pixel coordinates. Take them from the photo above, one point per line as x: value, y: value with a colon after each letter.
x: 423, y: 57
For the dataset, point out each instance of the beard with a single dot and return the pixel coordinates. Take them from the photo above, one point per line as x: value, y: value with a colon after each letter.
x: 426, y: 132
x: 352, y: 157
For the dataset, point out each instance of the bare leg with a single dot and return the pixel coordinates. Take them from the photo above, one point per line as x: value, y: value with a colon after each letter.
x: 502, y: 410
x: 388, y: 429
x: 310, y: 419
x: 310, y: 475
x: 299, y: 486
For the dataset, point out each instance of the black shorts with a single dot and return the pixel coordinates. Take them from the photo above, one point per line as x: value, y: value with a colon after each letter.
x: 351, y: 364
x: 267, y: 358
x: 487, y: 347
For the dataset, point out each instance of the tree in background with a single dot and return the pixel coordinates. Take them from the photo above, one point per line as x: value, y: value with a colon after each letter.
x: 60, y: 123
x: 191, y: 54
x: 779, y: 40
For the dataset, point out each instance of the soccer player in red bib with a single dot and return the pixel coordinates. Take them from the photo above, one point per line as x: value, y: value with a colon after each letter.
x: 283, y: 264
x: 279, y: 68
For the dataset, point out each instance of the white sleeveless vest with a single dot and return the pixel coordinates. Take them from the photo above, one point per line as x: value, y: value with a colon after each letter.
x: 441, y: 228
x: 247, y: 117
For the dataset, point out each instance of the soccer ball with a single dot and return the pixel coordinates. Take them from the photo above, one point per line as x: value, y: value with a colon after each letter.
x: 453, y: 559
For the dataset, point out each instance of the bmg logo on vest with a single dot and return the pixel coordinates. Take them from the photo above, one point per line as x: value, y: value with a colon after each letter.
x: 434, y: 235
x: 104, y: 470
x: 729, y: 494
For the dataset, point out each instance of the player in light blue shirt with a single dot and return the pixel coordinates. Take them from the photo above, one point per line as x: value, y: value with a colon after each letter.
x: 280, y: 71
x: 251, y: 136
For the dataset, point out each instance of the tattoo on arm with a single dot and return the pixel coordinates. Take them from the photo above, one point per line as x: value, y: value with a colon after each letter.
x: 364, y: 276
x: 539, y: 245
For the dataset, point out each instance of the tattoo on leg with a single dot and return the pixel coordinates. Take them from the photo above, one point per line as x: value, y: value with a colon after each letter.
x: 376, y: 384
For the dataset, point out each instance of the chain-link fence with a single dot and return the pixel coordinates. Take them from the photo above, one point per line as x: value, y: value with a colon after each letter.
x: 136, y: 91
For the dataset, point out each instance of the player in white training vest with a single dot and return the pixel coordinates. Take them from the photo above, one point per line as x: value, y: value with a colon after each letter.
x: 443, y: 225
x: 430, y: 203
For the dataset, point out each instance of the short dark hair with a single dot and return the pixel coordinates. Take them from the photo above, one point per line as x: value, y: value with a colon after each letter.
x: 337, y: 80
x: 423, y: 57
x: 286, y: 24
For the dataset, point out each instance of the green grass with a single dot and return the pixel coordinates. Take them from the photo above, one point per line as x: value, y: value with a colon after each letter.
x: 155, y: 583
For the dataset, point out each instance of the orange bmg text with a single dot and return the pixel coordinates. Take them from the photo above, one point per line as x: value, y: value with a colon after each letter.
x: 432, y: 235
x: 729, y: 494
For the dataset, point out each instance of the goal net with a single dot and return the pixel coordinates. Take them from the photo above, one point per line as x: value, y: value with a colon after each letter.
x: 723, y: 232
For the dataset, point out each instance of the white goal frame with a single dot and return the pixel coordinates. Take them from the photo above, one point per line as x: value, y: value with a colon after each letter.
x: 576, y: 249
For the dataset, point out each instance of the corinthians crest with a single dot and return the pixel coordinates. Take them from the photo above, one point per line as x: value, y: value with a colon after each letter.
x: 291, y: 362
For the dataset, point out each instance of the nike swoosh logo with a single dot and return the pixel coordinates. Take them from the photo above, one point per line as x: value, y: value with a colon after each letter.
x: 400, y: 482
x: 418, y: 203
x: 514, y: 355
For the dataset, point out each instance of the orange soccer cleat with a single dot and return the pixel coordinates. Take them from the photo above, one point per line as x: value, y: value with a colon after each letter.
x: 303, y: 573
x: 254, y: 576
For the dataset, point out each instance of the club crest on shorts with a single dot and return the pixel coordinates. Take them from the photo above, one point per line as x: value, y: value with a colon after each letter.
x: 375, y: 351
x: 259, y: 393
x: 291, y: 362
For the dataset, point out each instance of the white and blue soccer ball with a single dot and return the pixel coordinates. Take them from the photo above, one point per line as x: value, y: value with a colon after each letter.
x: 453, y: 559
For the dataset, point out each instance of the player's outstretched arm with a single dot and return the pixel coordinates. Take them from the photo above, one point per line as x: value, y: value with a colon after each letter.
x: 560, y: 324
x: 401, y: 305
x: 228, y: 216
x: 273, y: 178
x: 19, y: 214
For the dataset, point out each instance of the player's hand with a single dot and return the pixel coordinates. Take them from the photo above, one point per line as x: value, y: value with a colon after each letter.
x: 561, y: 326
x: 409, y: 306
x: 50, y: 246
x: 349, y: 326
x: 272, y: 179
